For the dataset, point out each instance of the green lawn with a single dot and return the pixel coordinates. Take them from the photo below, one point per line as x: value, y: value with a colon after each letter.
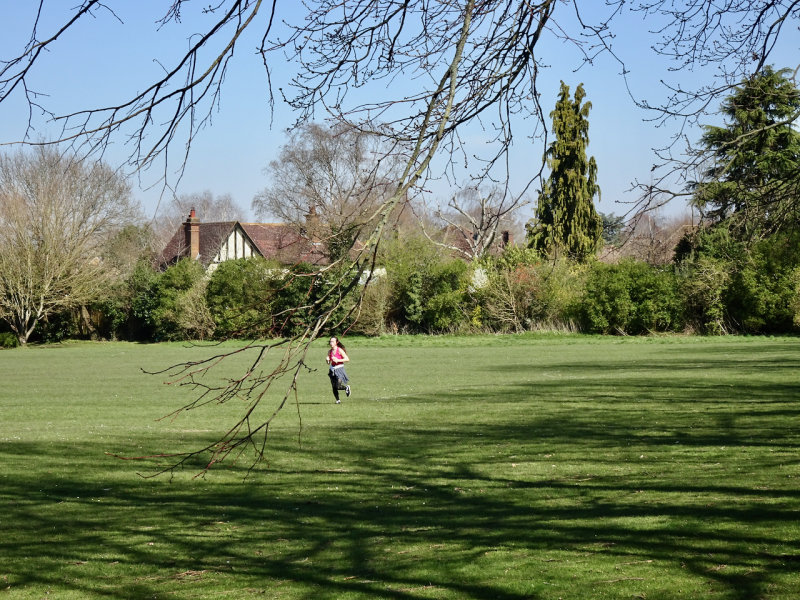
x: 538, y: 467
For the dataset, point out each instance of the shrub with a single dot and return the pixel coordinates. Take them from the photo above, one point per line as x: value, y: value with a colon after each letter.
x: 431, y: 299
x: 631, y: 297
x: 704, y: 290
x: 762, y: 291
x: 59, y: 326
x: 521, y: 295
x: 375, y: 303
x: 8, y: 340
x: 794, y: 303
x: 302, y: 293
x: 429, y: 290
x: 177, y: 303
x: 443, y: 295
x: 138, y: 301
x: 124, y: 311
x: 239, y: 294
x: 731, y: 286
x: 192, y: 317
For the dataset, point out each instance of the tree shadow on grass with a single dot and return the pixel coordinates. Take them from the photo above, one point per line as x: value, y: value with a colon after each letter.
x: 641, y: 483
x: 365, y: 526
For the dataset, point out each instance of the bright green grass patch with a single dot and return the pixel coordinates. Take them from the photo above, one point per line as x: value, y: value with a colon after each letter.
x: 509, y: 467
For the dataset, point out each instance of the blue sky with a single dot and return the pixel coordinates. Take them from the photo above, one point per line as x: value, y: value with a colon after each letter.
x: 104, y: 60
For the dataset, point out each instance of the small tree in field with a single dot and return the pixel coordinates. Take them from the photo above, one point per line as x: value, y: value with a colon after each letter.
x: 566, y: 221
x: 56, y: 215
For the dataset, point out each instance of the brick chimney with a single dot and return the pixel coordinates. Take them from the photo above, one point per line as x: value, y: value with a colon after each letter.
x: 191, y: 230
x: 312, y: 223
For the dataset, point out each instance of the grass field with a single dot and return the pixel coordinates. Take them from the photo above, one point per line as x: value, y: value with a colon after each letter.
x: 537, y: 467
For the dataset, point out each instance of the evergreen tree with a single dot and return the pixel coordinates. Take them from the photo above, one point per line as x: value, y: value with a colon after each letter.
x: 613, y: 226
x: 566, y: 221
x: 752, y: 185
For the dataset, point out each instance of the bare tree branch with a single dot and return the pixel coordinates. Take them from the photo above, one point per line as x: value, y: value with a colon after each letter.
x: 430, y: 69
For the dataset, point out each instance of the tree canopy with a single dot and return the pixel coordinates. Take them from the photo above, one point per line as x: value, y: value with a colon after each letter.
x: 57, y: 215
x: 753, y: 181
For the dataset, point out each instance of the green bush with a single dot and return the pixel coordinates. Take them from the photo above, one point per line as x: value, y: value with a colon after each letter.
x: 57, y: 327
x: 124, y: 311
x: 732, y: 287
x: 524, y: 292
x: 239, y: 295
x: 302, y: 293
x: 633, y: 298
x: 375, y: 305
x: 175, y: 303
x: 138, y: 299
x: 703, y: 289
x: 763, y: 292
x: 8, y: 340
x: 794, y: 302
x: 442, y: 292
x: 429, y: 290
x: 295, y: 291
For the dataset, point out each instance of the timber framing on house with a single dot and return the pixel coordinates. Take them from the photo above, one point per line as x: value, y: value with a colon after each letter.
x: 216, y: 242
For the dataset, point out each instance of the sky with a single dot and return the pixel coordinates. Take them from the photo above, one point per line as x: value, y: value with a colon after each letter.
x: 109, y: 56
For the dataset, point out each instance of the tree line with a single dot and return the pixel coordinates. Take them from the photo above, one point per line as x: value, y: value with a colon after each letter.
x: 721, y: 287
x: 73, y: 265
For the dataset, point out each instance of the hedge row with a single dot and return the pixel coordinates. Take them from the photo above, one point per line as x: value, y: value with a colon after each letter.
x: 719, y: 286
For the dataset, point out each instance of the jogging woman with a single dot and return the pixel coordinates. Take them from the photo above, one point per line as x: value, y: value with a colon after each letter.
x: 336, y: 359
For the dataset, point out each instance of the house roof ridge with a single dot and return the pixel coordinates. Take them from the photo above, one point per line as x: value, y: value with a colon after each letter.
x: 278, y: 241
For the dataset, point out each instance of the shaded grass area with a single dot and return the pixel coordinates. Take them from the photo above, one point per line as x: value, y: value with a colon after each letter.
x: 513, y: 467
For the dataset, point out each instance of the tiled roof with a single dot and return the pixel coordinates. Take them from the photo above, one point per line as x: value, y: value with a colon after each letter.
x: 175, y: 249
x: 284, y: 243
x: 275, y: 241
x: 211, y: 236
x: 458, y: 238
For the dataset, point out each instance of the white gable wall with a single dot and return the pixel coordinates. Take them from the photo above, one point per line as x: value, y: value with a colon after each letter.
x: 237, y: 245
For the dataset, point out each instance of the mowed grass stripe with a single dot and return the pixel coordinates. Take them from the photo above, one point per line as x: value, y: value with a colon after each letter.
x: 474, y: 467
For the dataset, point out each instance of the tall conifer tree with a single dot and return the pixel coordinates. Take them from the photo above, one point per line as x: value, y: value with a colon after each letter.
x: 566, y: 221
x: 753, y: 183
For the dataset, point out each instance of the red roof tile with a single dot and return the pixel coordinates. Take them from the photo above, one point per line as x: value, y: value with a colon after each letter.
x: 274, y: 241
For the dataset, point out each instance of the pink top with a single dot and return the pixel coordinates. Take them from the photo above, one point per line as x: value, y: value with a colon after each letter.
x: 336, y: 356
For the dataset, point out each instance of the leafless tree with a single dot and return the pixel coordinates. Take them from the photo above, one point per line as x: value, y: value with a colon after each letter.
x: 56, y: 215
x: 651, y: 237
x: 430, y: 68
x: 208, y: 207
x: 328, y: 183
x: 342, y: 47
x: 475, y: 221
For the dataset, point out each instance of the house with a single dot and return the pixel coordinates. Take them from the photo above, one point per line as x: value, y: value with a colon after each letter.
x: 213, y: 243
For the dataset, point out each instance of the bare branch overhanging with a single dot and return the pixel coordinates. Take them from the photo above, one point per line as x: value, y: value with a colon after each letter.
x: 249, y: 433
x: 340, y: 48
x: 463, y: 61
